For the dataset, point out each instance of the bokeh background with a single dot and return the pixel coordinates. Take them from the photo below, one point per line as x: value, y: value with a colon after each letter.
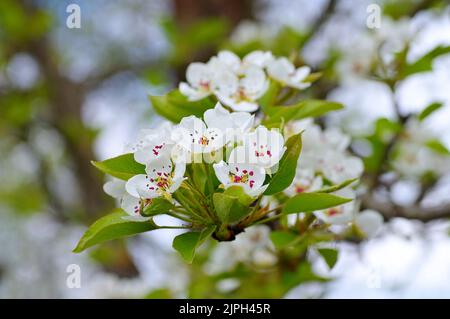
x: 68, y: 96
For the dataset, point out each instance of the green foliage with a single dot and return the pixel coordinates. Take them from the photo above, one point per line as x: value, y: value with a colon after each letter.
x: 287, y: 166
x: 267, y: 101
x: 330, y: 256
x: 158, y: 206
x: 281, y: 239
x: 174, y: 106
x: 309, y: 202
x: 334, y: 188
x: 304, y: 273
x: 238, y: 192
x: 430, y: 109
x: 123, y: 167
x: 187, y: 243
x: 424, y: 63
x: 110, y: 227
x: 287, y: 41
x: 200, y: 35
x: 301, y: 110
x: 228, y: 208
x: 384, y: 132
x: 438, y: 147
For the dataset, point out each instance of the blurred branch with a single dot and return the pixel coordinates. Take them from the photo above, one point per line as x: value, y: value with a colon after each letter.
x: 326, y: 14
x: 390, y: 210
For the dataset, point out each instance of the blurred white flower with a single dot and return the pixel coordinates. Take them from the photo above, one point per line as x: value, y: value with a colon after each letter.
x: 305, y: 180
x: 285, y: 72
x: 241, y: 91
x: 200, y: 77
x: 339, y: 215
x: 252, y: 247
x: 368, y: 222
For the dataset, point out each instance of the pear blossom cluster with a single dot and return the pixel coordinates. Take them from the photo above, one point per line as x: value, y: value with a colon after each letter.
x: 241, y: 155
x: 325, y: 160
x: 239, y: 83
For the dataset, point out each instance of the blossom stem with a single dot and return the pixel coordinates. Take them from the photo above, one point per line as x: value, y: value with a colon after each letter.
x: 175, y: 215
x: 175, y: 227
x: 269, y: 219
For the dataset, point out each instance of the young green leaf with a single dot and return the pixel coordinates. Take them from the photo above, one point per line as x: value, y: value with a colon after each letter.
x: 187, y: 243
x: 110, y: 227
x: 228, y: 208
x: 281, y: 239
x: 268, y: 99
x: 424, y: 63
x: 437, y: 147
x: 158, y: 206
x: 309, y: 202
x: 240, y: 194
x: 123, y: 166
x: 430, y: 109
x: 330, y: 256
x: 287, y: 167
x: 174, y: 106
x: 301, y: 110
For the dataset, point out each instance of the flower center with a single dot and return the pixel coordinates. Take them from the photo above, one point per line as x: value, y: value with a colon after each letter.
x: 262, y: 150
x: 157, y: 149
x: 163, y: 181
x: 299, y: 188
x: 204, y: 85
x: 333, y: 211
x: 203, y: 141
x: 244, y: 178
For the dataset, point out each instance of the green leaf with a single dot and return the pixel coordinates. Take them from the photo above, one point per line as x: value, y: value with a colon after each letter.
x: 330, y: 256
x: 174, y: 106
x: 158, y: 206
x: 199, y: 176
x: 301, y: 110
x: 309, y: 202
x: 438, y: 147
x: 287, y: 167
x: 228, y: 208
x: 110, y: 227
x: 424, y: 63
x: 268, y: 99
x: 123, y: 166
x: 430, y: 109
x: 337, y: 187
x: 240, y: 194
x: 187, y: 243
x: 281, y: 239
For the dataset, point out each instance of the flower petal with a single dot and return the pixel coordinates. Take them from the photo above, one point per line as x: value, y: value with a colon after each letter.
x: 140, y: 186
x: 115, y: 188
x: 369, y: 222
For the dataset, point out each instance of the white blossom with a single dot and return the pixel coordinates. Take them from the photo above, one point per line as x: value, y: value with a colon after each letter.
x: 162, y: 178
x: 368, y: 222
x: 285, y: 72
x: 339, y: 215
x: 249, y: 177
x: 261, y: 147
